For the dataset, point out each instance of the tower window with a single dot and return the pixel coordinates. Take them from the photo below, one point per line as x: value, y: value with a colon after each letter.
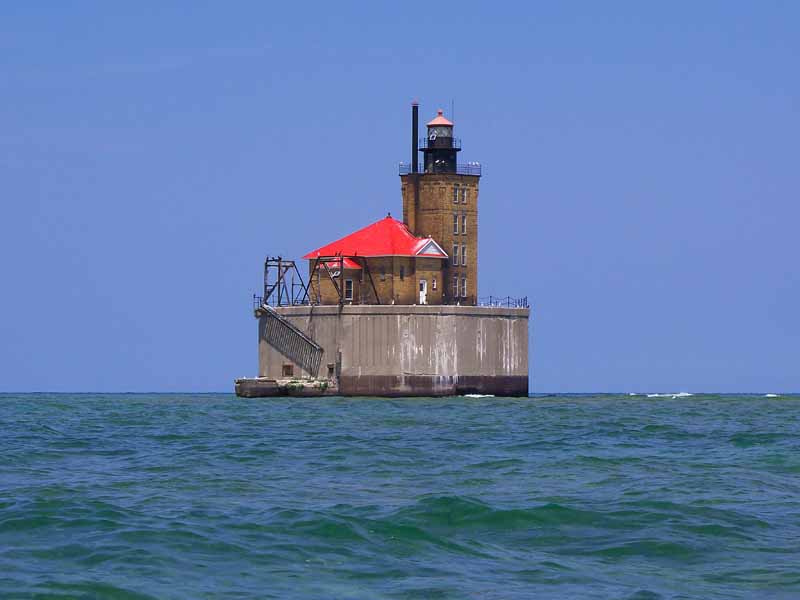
x: 464, y: 223
x: 455, y: 255
x: 455, y: 195
x: 463, y: 287
x: 463, y: 195
x: 455, y: 222
x: 402, y: 272
x: 348, y: 289
x: 464, y: 255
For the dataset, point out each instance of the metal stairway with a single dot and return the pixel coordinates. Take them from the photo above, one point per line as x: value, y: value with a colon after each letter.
x: 290, y: 341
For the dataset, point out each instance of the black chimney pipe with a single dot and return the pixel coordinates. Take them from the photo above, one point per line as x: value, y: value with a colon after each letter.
x: 414, y: 138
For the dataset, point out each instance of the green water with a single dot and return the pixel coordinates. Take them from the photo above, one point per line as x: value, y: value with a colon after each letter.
x: 210, y: 496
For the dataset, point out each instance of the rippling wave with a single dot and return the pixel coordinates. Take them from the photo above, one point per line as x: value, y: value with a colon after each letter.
x: 177, y: 496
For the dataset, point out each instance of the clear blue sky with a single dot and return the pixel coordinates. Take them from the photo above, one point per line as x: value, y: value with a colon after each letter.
x: 641, y: 178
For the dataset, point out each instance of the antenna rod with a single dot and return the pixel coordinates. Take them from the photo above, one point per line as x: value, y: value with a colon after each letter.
x: 414, y: 138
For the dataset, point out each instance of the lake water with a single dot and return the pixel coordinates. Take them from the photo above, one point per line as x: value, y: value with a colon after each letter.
x: 211, y: 496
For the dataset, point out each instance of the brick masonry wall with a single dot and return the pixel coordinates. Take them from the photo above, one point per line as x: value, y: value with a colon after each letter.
x: 322, y: 290
x: 386, y: 277
x: 433, y: 216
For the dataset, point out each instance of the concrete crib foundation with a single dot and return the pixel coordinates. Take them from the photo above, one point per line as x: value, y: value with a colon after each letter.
x: 376, y: 350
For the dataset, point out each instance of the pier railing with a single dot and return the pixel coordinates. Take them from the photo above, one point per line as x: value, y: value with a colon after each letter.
x: 504, y: 301
x: 258, y: 301
x: 498, y: 301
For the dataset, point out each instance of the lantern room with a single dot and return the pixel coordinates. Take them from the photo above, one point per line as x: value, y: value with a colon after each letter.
x: 439, y: 146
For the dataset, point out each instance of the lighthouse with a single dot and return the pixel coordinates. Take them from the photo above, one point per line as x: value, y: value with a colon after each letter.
x: 392, y: 309
x: 441, y: 202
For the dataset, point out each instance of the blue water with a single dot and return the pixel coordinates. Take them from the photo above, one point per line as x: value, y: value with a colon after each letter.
x: 210, y: 496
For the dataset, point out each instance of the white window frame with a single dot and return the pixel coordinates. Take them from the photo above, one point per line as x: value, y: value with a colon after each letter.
x: 463, y: 287
x: 463, y: 195
x: 455, y: 255
x: 463, y: 255
x: 348, y: 282
x: 455, y: 286
x: 433, y: 283
x: 455, y: 194
x: 463, y: 223
x: 455, y: 223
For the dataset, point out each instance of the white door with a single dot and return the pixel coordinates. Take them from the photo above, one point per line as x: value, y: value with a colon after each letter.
x: 423, y: 291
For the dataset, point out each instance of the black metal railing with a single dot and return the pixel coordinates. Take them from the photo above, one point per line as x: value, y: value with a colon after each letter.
x: 471, y: 168
x: 258, y: 302
x: 289, y: 340
x: 504, y: 301
x: 437, y: 143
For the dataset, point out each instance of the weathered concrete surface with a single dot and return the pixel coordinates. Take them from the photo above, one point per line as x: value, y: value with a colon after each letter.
x: 261, y: 387
x: 412, y: 350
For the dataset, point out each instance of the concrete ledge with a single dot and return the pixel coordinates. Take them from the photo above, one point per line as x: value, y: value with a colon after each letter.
x: 257, y: 387
x: 394, y: 386
x: 263, y: 387
x: 389, y: 386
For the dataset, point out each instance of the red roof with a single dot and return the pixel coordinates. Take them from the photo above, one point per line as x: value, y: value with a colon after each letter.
x: 440, y: 121
x: 387, y: 237
x: 347, y: 263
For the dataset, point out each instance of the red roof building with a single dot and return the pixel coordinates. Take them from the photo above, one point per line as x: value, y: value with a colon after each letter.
x: 387, y: 237
x: 383, y: 263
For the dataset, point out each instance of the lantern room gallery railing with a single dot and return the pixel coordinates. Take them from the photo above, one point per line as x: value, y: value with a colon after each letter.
x: 440, y: 143
x: 470, y: 168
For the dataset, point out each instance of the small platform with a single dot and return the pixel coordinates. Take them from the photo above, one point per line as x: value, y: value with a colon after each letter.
x: 264, y: 387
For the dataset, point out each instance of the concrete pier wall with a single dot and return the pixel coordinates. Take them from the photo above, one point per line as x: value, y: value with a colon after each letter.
x: 412, y: 350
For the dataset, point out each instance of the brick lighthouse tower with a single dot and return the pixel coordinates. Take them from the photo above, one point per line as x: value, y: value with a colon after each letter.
x: 441, y: 202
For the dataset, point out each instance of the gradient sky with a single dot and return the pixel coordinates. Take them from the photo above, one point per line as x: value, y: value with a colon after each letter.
x: 640, y: 180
